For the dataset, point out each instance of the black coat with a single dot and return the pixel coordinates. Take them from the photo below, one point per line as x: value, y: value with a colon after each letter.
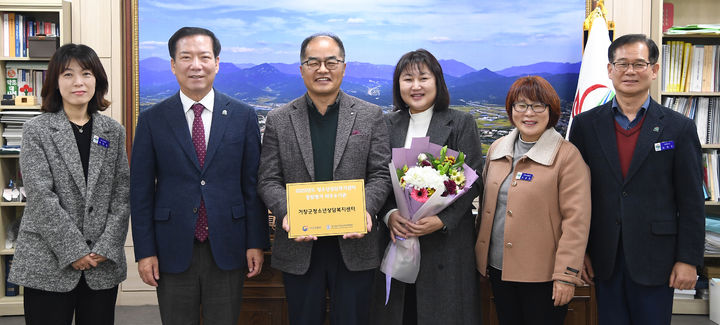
x: 446, y: 287
x: 657, y: 210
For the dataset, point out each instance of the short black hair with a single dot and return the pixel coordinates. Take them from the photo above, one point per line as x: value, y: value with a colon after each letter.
x: 413, y: 60
x: 191, y: 31
x: 307, y: 40
x: 87, y: 59
x: 653, y: 52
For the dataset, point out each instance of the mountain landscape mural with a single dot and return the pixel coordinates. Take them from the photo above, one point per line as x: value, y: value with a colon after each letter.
x: 482, y: 45
x: 271, y: 84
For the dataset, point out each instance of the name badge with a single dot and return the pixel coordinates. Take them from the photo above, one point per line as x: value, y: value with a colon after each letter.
x: 665, y: 145
x: 524, y: 176
x: 100, y: 141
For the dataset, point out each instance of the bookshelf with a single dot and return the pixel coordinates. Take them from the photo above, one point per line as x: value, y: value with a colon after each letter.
x: 52, y: 11
x: 687, y: 12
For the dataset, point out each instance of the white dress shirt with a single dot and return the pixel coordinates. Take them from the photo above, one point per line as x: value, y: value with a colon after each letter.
x: 208, y: 101
x: 419, y: 125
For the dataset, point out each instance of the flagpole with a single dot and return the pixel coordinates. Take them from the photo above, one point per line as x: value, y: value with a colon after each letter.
x: 594, y: 88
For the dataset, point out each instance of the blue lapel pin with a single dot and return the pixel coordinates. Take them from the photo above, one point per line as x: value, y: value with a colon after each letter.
x: 524, y: 176
x: 665, y: 145
x: 100, y: 141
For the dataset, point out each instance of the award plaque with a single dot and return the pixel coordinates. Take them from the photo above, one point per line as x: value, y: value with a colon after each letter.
x: 326, y: 208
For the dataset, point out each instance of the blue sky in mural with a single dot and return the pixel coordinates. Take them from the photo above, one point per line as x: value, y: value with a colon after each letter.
x: 480, y: 33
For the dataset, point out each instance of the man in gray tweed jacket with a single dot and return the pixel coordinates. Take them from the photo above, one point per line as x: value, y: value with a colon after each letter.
x: 325, y: 135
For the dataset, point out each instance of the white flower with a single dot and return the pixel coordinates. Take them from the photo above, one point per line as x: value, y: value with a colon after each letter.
x: 425, y: 177
x: 422, y: 157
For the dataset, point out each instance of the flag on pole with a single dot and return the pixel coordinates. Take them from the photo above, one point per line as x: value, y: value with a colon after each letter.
x: 594, y: 87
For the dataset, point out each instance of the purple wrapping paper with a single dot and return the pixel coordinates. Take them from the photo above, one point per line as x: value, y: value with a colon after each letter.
x: 402, y: 258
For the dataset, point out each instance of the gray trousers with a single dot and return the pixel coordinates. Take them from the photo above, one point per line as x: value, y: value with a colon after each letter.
x: 202, y: 287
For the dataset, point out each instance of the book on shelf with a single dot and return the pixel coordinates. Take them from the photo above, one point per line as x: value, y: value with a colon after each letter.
x: 17, y: 28
x: 679, y: 52
x: 13, y: 122
x: 11, y: 289
x: 9, y: 150
x: 11, y: 81
x: 6, y: 34
x: 686, y: 56
x: 715, y: 68
x: 708, y: 74
x: 712, y: 238
x: 690, y: 67
x: 695, y: 70
x: 673, y: 64
x: 665, y: 74
x: 711, y: 175
x: 704, y: 111
x: 11, y: 38
x: 684, y: 294
x: 707, y: 29
x: 668, y: 15
x: 25, y: 75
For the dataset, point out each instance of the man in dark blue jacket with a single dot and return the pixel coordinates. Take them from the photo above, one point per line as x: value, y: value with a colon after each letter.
x: 647, y: 229
x: 197, y: 221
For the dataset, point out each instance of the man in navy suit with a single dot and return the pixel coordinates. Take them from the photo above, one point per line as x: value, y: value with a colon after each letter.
x: 647, y: 229
x: 197, y: 220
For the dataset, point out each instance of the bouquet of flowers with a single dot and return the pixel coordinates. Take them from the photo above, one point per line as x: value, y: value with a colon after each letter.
x: 432, y: 178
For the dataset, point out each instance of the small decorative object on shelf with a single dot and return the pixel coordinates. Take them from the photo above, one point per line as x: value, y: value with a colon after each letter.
x: 12, y: 193
x: 8, y: 99
x: 25, y: 101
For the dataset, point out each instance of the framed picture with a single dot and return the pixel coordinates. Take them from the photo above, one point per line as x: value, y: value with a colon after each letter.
x: 483, y: 46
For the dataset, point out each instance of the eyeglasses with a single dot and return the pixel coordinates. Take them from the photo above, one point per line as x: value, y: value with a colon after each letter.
x: 537, y: 107
x: 637, y: 66
x: 330, y: 64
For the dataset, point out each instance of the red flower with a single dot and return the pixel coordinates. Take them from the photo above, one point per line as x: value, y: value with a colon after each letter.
x: 420, y: 195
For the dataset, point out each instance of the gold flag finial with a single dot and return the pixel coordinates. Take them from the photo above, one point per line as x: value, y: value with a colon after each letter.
x: 599, y: 11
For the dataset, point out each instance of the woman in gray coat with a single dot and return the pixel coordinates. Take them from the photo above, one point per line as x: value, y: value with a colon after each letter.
x: 445, y: 291
x: 69, y: 254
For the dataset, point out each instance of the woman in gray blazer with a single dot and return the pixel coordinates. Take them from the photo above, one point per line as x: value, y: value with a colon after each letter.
x: 69, y: 254
x: 445, y: 291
